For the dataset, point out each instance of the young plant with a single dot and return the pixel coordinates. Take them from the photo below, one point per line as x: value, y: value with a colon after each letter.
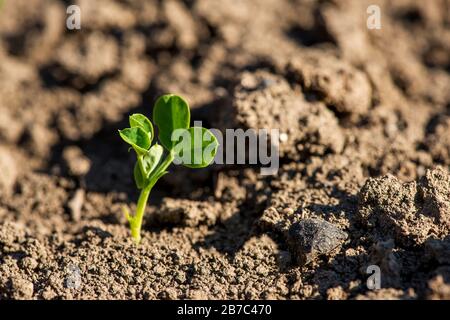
x: 194, y: 147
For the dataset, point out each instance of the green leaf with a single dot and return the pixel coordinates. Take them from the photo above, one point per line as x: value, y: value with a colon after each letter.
x: 138, y: 176
x: 137, y: 138
x: 196, y: 147
x: 138, y: 120
x: 149, y: 162
x: 152, y: 158
x: 170, y: 113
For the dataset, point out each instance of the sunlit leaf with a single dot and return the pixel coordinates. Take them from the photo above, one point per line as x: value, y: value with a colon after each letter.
x: 141, y: 121
x: 137, y: 138
x: 170, y: 113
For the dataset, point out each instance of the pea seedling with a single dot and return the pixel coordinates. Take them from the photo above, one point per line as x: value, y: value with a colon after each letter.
x: 194, y: 147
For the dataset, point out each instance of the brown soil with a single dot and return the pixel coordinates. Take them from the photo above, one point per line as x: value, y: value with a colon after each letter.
x: 363, y: 175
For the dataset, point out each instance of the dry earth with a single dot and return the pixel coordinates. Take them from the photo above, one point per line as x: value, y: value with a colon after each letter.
x: 363, y: 176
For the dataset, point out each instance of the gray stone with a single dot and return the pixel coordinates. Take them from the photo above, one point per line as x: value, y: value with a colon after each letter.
x: 311, y: 238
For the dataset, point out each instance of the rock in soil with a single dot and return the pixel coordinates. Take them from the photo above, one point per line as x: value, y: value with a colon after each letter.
x: 311, y: 238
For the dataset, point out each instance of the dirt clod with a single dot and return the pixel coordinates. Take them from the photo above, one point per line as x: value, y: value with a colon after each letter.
x: 75, y: 204
x: 341, y: 86
x: 77, y: 163
x: 408, y: 212
x: 187, y: 212
x: 21, y: 289
x: 434, y: 192
x: 265, y: 101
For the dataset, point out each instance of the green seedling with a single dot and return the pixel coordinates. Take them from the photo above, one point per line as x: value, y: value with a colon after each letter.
x: 193, y: 147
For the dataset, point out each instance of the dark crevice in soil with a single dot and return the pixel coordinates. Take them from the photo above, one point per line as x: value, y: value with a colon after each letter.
x: 311, y: 37
x: 55, y: 76
x: 411, y: 16
x: 315, y: 36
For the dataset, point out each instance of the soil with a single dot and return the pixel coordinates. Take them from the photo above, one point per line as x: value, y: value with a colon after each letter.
x: 363, y: 178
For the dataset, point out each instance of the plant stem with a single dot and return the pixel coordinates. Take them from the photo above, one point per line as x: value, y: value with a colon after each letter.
x: 136, y: 220
x: 141, y: 164
x: 161, y: 168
